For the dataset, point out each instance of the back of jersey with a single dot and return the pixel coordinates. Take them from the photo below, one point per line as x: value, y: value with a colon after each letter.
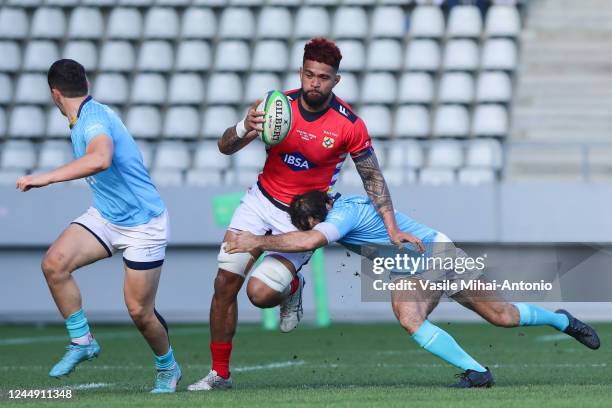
x: 124, y: 193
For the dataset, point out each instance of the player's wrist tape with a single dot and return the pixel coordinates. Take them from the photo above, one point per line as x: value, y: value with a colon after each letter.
x: 241, y: 129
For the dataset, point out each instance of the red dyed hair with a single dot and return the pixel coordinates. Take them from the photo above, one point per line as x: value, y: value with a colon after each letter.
x: 322, y: 50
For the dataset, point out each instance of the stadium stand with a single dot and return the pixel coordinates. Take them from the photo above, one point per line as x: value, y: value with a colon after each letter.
x: 429, y: 81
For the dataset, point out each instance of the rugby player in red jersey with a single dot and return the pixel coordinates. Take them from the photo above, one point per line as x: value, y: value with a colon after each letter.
x: 324, y: 131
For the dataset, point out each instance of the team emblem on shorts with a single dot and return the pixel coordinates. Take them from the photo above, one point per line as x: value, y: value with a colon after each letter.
x: 328, y: 142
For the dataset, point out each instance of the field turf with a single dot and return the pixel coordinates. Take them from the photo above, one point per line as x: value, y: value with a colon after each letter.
x: 343, y: 365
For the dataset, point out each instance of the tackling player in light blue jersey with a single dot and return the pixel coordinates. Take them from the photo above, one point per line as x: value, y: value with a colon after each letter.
x: 127, y: 214
x: 353, y: 222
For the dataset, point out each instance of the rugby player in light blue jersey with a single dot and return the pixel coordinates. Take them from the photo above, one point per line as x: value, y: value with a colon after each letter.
x: 353, y: 222
x: 127, y: 214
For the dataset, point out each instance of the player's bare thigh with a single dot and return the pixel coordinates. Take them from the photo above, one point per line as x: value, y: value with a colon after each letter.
x: 74, y: 248
x: 411, y: 307
x: 489, y: 305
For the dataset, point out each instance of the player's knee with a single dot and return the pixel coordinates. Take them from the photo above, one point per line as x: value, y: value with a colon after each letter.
x: 272, y: 274
x: 138, y: 313
x: 506, y: 316
x: 55, y: 267
x: 260, y: 294
x: 410, y: 323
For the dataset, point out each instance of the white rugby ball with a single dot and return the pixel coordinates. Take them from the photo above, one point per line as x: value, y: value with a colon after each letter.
x: 277, y: 109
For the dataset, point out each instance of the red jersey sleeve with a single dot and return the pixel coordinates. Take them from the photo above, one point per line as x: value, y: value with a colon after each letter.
x: 359, y: 139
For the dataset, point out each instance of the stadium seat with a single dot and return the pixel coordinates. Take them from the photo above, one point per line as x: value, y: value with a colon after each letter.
x: 378, y: 87
x: 198, y: 23
x: 98, y: 3
x: 48, y: 23
x: 350, y: 22
x: 257, y: 84
x: 292, y: 81
x: 384, y: 55
x: 54, y: 153
x: 124, y: 23
x: 478, y: 176
x: 144, y: 122
x: 167, y: 177
x: 136, y: 3
x: 464, y: 21
x: 11, y: 53
x: 181, y: 122
x: 422, y: 55
x: 485, y: 153
x: 148, y: 89
x: 411, y: 121
x: 499, y: 54
x: 416, y: 88
x: 193, y: 56
x: 39, y: 55
x: 57, y: 124
x: 426, y: 21
x: 217, y: 119
x: 6, y: 89
x: 250, y: 3
x: 490, y: 120
x: 252, y: 156
x: 494, y: 87
x: 224, y: 88
x: 502, y: 21
x: 321, y: 2
x: 456, y: 87
x: 117, y: 56
x: 388, y: 22
x: 204, y: 178
x: 62, y: 3
x: 111, y: 88
x: 284, y: 2
x: 451, y: 121
x: 13, y: 23
x: 405, y: 154
x: 86, y: 23
x: 172, y: 155
x: 237, y: 23
x: 156, y: 56
x: 173, y: 3
x: 270, y: 56
x: 18, y: 155
x: 32, y: 88
x: 365, y: 2
x: 445, y: 154
x: 207, y: 156
x: 436, y: 177
x: 26, y: 121
x: 461, y: 55
x: 282, y: 26
x: 395, y: 177
x: 297, y: 55
x: 161, y: 23
x: 146, y: 150
x: 353, y: 55
x: 347, y: 89
x: 312, y: 22
x: 186, y: 89
x: 3, y: 124
x: 85, y: 52
x: 232, y: 56
x: 24, y: 3
x: 211, y: 3
x: 241, y: 177
x: 377, y: 119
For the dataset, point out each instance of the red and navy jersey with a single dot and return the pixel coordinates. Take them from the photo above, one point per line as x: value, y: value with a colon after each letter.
x: 311, y: 156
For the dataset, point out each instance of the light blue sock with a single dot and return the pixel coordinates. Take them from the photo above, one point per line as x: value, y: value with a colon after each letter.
x: 77, y: 325
x: 438, y: 342
x: 166, y: 361
x: 532, y: 315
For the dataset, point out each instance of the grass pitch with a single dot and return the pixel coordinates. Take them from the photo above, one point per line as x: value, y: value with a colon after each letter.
x: 343, y: 365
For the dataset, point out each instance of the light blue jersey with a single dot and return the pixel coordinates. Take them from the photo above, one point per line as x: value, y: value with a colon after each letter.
x: 353, y: 221
x: 124, y: 193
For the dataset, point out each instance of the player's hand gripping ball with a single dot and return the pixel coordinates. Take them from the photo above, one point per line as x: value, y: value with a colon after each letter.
x: 277, y: 117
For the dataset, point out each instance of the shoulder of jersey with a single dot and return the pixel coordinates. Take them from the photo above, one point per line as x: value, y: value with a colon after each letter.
x: 292, y: 94
x: 343, y: 108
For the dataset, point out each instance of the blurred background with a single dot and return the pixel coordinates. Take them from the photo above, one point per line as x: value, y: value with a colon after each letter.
x: 491, y: 120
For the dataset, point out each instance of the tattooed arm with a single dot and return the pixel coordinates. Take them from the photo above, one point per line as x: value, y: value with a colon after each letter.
x: 230, y: 143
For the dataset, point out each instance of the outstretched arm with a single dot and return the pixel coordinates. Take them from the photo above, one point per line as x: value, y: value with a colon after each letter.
x: 98, y: 157
x: 376, y: 187
x: 232, y: 141
x: 298, y: 241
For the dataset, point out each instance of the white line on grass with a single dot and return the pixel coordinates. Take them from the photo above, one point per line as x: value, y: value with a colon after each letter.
x: 271, y: 366
x: 553, y: 337
x: 90, y: 386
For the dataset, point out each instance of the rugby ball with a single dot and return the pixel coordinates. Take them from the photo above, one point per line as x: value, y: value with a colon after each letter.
x: 277, y: 109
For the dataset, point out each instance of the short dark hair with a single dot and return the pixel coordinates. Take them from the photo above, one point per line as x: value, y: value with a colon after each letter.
x: 68, y: 77
x: 322, y: 50
x: 310, y: 204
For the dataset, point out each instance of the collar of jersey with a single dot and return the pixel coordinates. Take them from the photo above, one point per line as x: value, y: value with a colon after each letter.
x: 72, y: 123
x: 312, y: 116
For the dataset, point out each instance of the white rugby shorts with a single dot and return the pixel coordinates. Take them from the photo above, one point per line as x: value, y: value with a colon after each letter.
x: 143, y: 246
x: 259, y: 215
